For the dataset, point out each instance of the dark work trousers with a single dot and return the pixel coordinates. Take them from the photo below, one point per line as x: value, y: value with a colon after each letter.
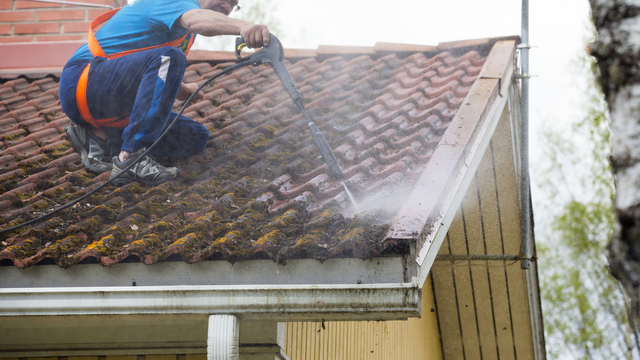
x: 144, y: 85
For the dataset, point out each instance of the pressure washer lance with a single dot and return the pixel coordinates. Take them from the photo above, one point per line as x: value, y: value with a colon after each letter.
x: 273, y: 54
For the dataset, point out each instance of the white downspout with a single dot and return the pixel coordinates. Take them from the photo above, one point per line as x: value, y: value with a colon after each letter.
x: 223, y: 341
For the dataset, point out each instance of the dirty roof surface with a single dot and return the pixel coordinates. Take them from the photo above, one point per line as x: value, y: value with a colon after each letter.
x: 260, y: 189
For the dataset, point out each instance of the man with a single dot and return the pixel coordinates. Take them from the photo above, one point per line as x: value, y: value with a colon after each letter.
x: 120, y: 87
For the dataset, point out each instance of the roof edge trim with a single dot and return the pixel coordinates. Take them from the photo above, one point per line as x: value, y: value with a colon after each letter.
x: 380, y: 48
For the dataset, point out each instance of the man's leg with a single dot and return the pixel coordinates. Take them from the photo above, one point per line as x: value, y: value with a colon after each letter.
x: 144, y: 85
x: 92, y: 148
x: 186, y: 138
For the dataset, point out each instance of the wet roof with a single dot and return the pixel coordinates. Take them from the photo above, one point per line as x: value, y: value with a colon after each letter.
x: 260, y: 188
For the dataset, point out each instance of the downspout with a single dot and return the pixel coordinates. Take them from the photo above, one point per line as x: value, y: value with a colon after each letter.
x: 223, y: 340
x: 525, y: 252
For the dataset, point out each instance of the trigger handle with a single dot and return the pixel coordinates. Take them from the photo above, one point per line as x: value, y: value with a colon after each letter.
x: 240, y: 44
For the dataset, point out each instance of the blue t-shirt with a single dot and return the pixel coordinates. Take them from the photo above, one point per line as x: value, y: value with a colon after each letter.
x: 141, y: 24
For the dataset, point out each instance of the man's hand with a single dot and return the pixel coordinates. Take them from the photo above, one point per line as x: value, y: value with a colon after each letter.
x: 211, y: 23
x: 256, y: 36
x: 186, y: 90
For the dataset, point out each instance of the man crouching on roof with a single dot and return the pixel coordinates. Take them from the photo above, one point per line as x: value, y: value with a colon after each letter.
x: 120, y: 87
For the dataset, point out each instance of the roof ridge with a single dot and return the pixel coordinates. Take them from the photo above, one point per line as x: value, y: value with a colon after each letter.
x: 380, y: 48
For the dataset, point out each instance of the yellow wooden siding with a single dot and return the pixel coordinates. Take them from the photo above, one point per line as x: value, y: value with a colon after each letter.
x: 417, y: 339
x: 510, y: 219
x: 483, y: 307
x: 118, y: 357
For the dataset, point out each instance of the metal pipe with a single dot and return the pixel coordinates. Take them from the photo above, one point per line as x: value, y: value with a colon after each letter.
x: 525, y: 251
x: 75, y: 3
x: 479, y: 257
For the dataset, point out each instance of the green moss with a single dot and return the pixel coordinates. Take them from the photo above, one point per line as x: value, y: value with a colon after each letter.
x: 40, y: 205
x: 44, y: 185
x: 272, y: 238
x: 161, y: 226
x: 25, y: 195
x: 102, y: 246
x: 16, y: 202
x: 11, y: 138
x: 147, y: 245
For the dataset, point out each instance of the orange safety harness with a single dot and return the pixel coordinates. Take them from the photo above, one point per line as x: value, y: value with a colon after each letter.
x: 96, y: 50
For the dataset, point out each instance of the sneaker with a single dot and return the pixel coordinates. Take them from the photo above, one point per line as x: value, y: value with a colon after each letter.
x: 90, y: 147
x: 146, y: 171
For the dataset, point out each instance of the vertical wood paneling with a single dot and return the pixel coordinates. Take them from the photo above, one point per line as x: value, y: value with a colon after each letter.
x: 510, y: 221
x: 496, y: 270
x: 480, y: 285
x: 417, y: 339
x: 464, y: 293
x: 445, y: 295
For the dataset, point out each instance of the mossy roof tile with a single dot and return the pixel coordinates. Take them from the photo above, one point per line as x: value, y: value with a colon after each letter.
x: 260, y: 189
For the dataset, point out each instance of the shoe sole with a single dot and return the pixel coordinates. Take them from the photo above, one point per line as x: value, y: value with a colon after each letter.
x: 75, y: 137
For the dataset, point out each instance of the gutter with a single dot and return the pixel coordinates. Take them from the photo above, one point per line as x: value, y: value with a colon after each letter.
x: 281, y: 302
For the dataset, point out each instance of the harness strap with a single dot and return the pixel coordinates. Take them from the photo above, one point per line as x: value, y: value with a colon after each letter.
x: 81, y: 100
x: 96, y: 51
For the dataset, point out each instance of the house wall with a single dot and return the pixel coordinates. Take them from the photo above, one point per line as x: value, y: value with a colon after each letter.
x: 31, y: 21
x: 416, y: 338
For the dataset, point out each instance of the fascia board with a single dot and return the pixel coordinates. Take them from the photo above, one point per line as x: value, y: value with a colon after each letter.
x: 282, y: 303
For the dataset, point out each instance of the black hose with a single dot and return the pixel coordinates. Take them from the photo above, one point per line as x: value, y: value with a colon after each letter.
x: 186, y: 103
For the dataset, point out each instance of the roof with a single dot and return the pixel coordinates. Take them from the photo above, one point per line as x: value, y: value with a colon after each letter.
x: 260, y: 189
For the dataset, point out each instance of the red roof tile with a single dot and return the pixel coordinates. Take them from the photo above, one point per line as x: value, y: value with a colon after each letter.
x: 260, y: 189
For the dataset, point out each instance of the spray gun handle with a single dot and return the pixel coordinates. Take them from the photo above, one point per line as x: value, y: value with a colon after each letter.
x: 270, y: 53
x: 273, y: 54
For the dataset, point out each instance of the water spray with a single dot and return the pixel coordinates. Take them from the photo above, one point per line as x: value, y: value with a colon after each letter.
x: 273, y: 55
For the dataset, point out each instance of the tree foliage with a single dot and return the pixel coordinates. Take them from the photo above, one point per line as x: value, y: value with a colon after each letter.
x: 585, y: 311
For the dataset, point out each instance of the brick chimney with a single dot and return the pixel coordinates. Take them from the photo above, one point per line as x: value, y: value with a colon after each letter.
x: 32, y: 21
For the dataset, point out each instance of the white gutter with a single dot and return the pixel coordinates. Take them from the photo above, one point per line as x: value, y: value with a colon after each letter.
x: 281, y: 302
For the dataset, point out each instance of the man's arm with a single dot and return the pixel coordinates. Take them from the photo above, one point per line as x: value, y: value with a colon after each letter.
x: 212, y: 23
